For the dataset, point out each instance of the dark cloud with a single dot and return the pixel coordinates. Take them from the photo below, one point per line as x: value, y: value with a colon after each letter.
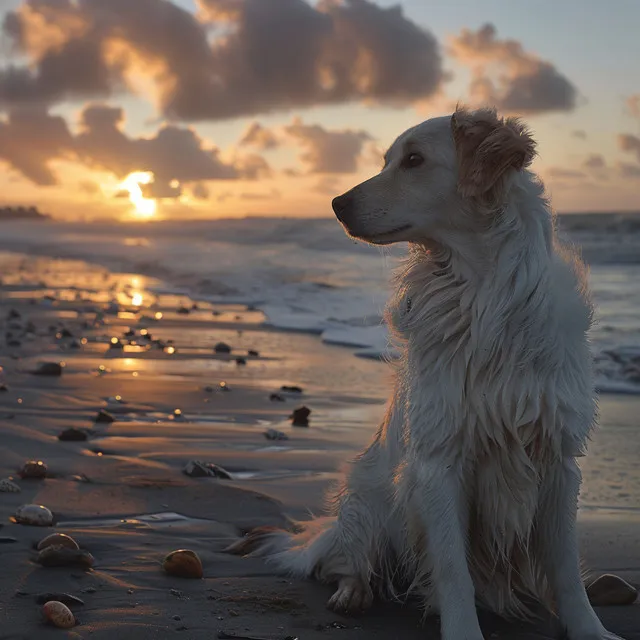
x: 30, y: 139
x: 328, y: 151
x: 258, y: 136
x: 200, y: 191
x: 566, y: 174
x: 595, y: 162
x: 630, y: 144
x: 525, y: 84
x: 261, y: 55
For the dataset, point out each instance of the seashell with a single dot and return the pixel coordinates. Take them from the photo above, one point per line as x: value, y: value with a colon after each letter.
x: 58, y: 556
x: 274, y: 434
x: 6, y: 486
x: 183, y: 563
x: 58, y: 540
x: 34, y: 514
x: 609, y: 590
x: 198, y: 469
x: 34, y: 469
x: 58, y: 614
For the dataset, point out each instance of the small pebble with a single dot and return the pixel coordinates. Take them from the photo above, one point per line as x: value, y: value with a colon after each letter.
x: 58, y: 556
x: 222, y: 347
x: 610, y: 590
x: 274, y: 434
x: 58, y: 540
x: 104, y: 417
x: 48, y: 369
x: 34, y: 515
x: 241, y: 361
x: 58, y: 614
x: 300, y: 417
x: 253, y: 353
x: 198, y: 469
x: 73, y: 435
x: 276, y: 397
x: 291, y: 389
x: 33, y: 469
x: 183, y: 563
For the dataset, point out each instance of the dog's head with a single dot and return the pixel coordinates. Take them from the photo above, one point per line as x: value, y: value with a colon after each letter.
x: 431, y: 172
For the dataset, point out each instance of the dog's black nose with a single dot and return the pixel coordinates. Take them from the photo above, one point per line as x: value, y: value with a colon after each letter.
x: 342, y: 205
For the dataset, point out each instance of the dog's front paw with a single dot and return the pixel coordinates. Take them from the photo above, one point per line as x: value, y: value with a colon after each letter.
x: 353, y: 596
x: 255, y: 542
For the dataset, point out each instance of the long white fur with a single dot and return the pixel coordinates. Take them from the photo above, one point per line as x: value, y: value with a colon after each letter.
x: 467, y: 494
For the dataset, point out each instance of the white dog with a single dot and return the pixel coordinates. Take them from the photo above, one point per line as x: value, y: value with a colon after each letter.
x: 468, y: 492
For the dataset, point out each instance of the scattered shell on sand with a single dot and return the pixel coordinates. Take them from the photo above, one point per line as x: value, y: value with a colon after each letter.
x: 6, y: 486
x: 198, y: 469
x: 58, y: 540
x: 58, y: 614
x: 609, y: 590
x: 58, y: 556
x: 274, y: 434
x: 183, y: 563
x: 34, y: 469
x: 35, y: 515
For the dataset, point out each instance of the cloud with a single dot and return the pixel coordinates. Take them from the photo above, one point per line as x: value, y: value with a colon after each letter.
x: 630, y: 144
x: 580, y: 134
x: 627, y: 170
x: 30, y: 139
x: 257, y: 56
x: 633, y: 105
x: 258, y: 136
x: 200, y: 191
x: 328, y: 186
x: 594, y: 162
x: 328, y: 151
x: 524, y: 84
x: 565, y: 174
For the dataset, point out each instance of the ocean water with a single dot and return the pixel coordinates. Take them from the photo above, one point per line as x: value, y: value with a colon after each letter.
x: 306, y: 275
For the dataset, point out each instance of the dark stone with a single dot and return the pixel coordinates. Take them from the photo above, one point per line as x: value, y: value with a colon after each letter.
x: 48, y: 369
x: 13, y: 314
x: 291, y: 389
x: 241, y: 361
x: 3, y: 387
x: 74, y: 344
x: 130, y: 333
x: 65, y: 333
x: 183, y: 311
x: 276, y: 397
x: 253, y: 353
x: 64, y: 557
x: 610, y: 590
x: 65, y: 598
x: 7, y: 540
x: 208, y: 389
x: 222, y: 347
x: 73, y: 435
x: 300, y: 417
x: 104, y: 416
x: 197, y: 469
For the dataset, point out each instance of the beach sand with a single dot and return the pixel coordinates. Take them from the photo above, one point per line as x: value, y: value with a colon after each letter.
x: 122, y: 494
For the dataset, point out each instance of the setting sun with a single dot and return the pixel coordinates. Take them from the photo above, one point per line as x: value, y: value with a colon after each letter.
x: 144, y: 207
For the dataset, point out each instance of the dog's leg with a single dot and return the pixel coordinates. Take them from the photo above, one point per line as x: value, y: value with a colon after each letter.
x: 436, y: 495
x: 559, y: 548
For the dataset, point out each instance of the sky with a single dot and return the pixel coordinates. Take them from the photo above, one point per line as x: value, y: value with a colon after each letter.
x: 152, y: 109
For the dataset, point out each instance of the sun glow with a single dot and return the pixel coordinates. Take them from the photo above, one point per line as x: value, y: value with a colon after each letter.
x: 144, y: 207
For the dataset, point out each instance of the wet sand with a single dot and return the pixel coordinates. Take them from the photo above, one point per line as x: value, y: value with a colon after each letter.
x: 122, y: 494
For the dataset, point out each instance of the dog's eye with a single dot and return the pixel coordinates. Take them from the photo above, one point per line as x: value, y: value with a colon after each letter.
x: 412, y: 160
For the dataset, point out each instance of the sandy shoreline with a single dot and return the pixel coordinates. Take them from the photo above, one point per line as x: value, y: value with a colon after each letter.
x: 134, y: 467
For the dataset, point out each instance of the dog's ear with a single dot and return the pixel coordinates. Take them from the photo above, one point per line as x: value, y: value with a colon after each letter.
x: 487, y: 148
